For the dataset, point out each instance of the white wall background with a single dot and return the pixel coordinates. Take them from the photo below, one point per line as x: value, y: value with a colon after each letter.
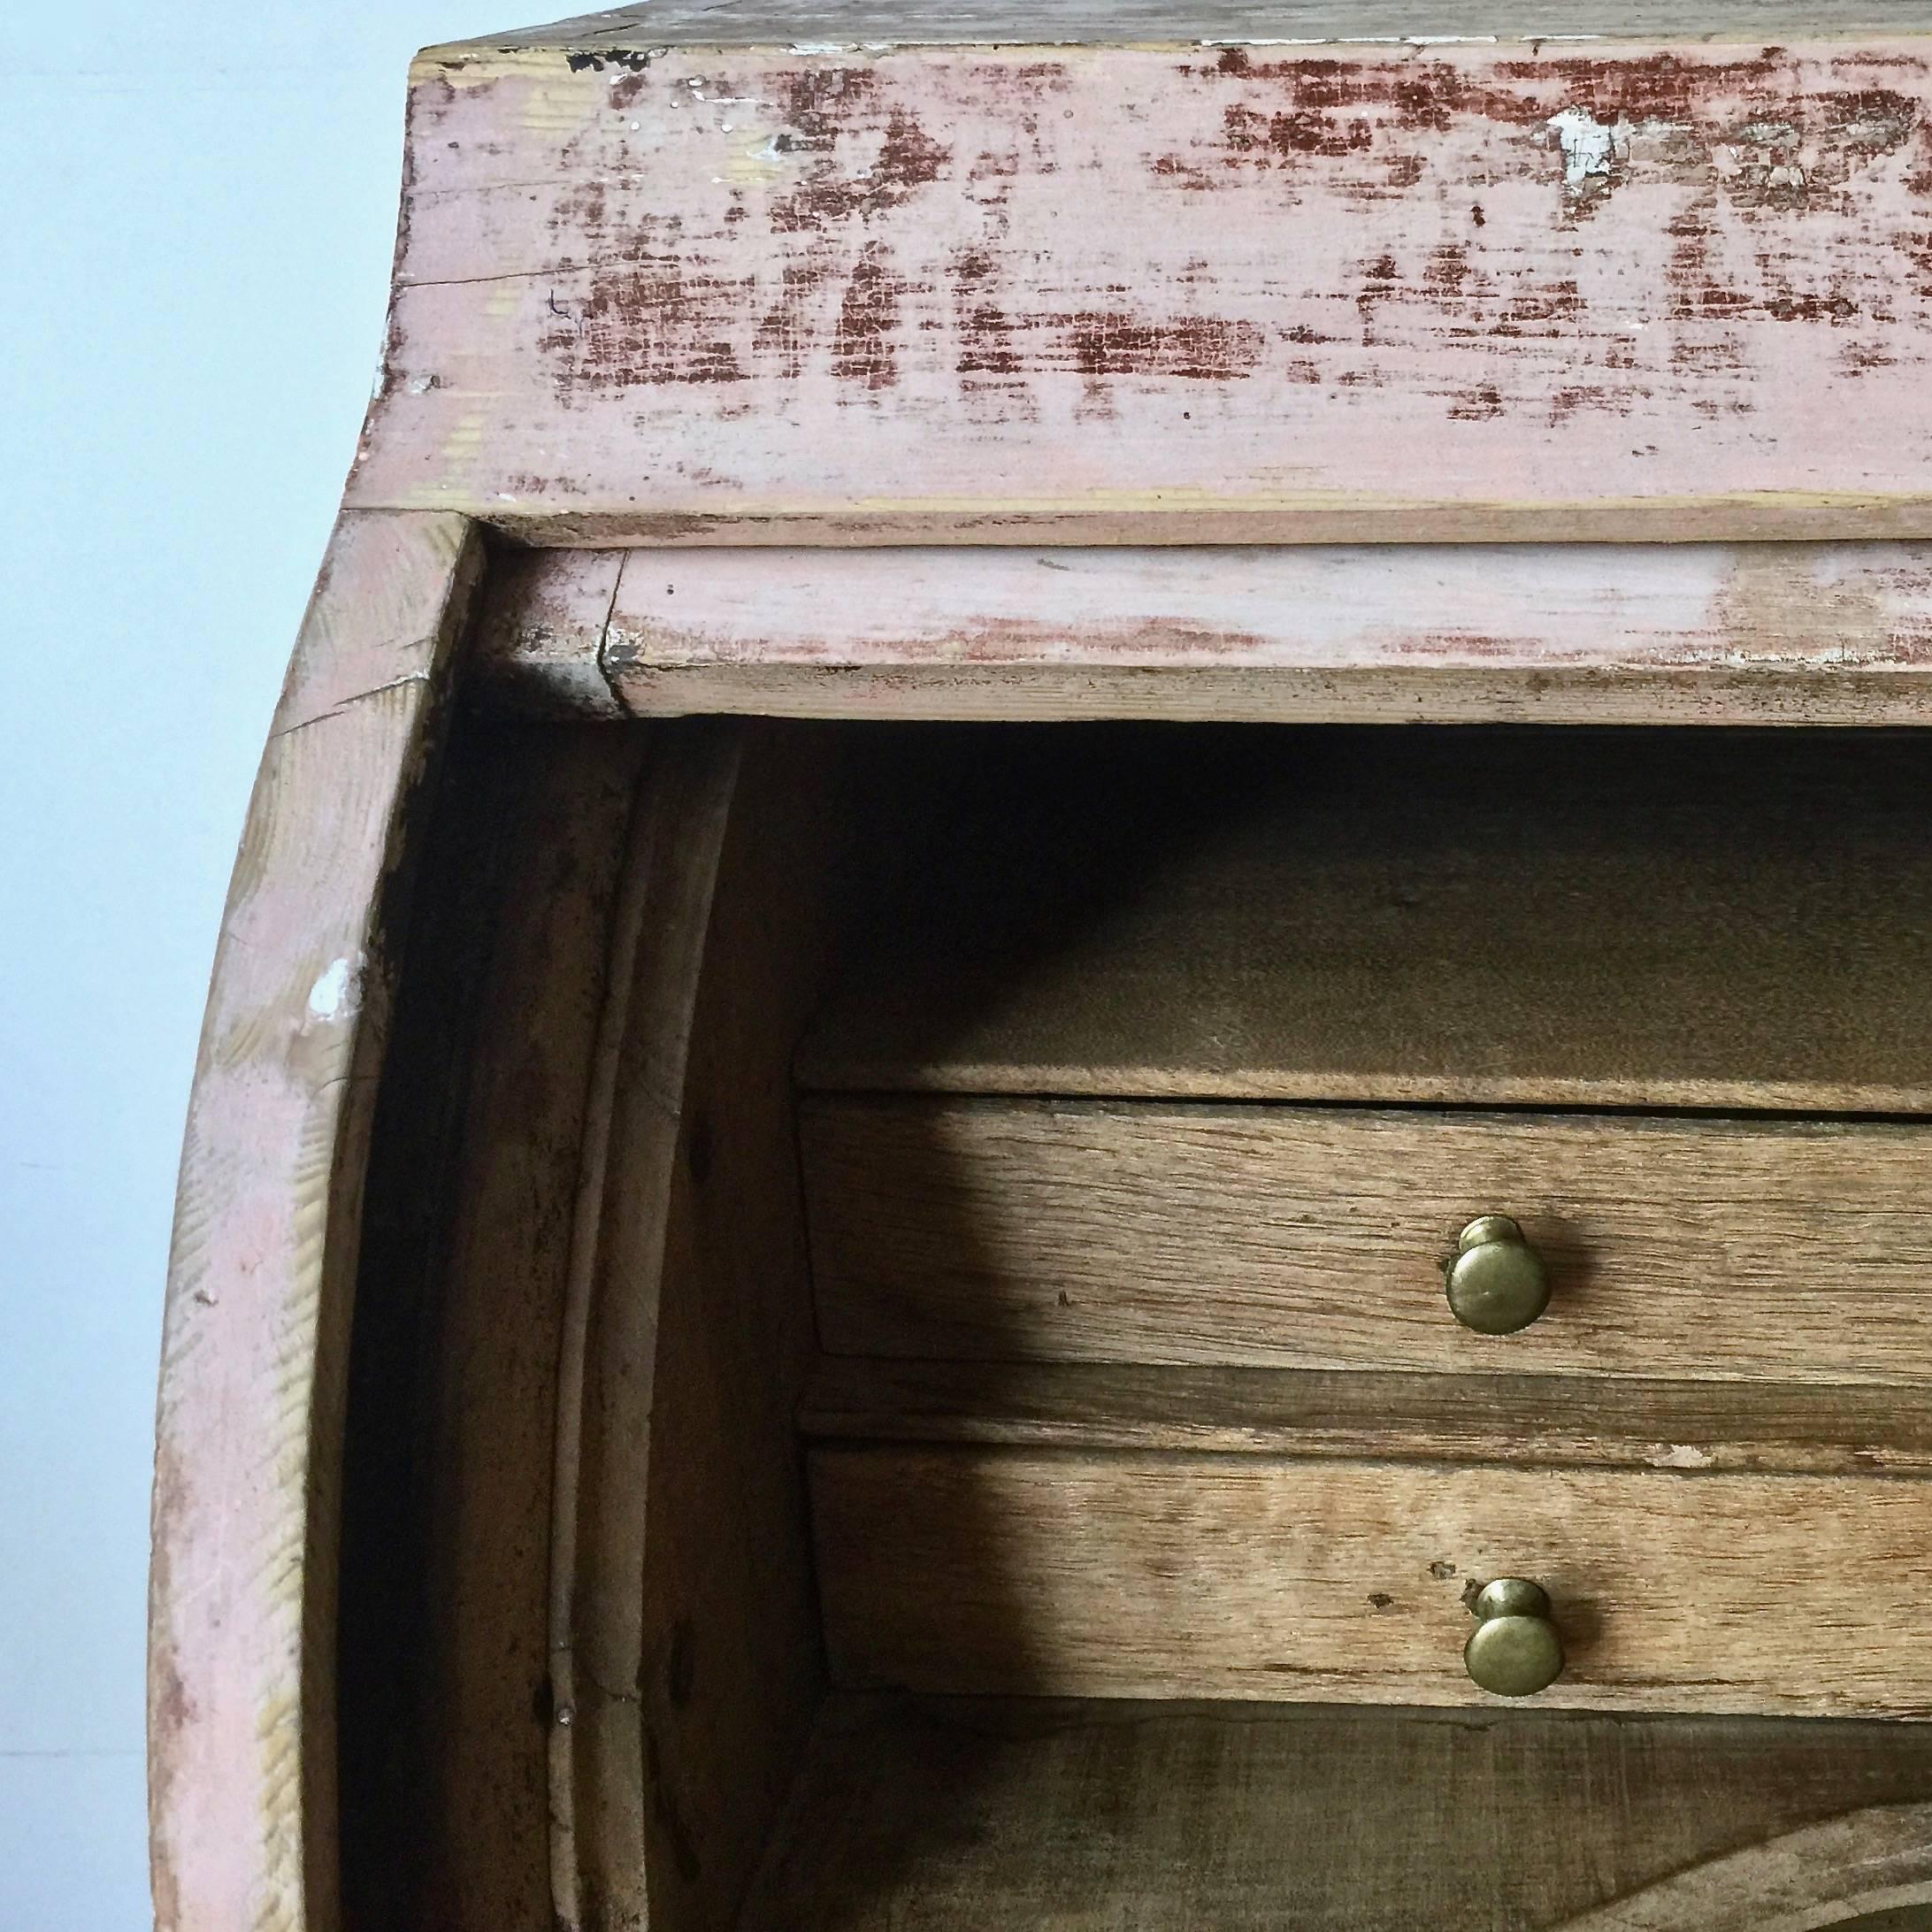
x: 196, y: 205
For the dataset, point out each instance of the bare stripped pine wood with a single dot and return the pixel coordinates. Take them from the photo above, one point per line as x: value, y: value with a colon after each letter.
x: 1659, y: 289
x: 1788, y: 634
x: 443, y: 1650
x: 607, y: 1368
x: 1292, y: 1237
x: 966, y: 1816
x: 983, y: 1571
x: 686, y: 1661
x: 1542, y: 1422
x: 261, y: 1273
x: 732, y: 1670
x: 1669, y: 919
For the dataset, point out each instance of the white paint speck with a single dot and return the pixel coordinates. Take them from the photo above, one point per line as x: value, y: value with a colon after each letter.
x: 1679, y: 1455
x: 1589, y: 145
x: 331, y: 990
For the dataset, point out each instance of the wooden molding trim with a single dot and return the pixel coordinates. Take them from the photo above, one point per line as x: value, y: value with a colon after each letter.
x: 1692, y: 633
x: 598, y: 1779
x: 261, y: 1275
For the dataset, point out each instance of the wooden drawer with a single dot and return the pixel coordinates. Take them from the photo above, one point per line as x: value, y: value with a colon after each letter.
x: 1315, y: 1238
x: 1263, y: 1577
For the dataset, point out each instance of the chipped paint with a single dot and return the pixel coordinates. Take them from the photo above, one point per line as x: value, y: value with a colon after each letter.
x: 1219, y: 276
x: 1679, y: 1455
x: 332, y: 995
x: 1589, y: 147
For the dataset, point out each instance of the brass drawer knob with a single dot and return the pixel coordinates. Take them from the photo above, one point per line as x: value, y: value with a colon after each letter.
x: 1497, y: 1282
x: 1513, y: 1651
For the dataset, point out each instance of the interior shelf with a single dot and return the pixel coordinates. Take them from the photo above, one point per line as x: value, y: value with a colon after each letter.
x: 1538, y: 1421
x: 1686, y: 919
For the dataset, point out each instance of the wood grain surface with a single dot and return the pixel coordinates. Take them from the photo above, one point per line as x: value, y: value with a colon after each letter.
x: 1307, y: 1237
x: 1540, y: 1421
x: 1870, y: 1871
x: 1599, y: 918
x: 1716, y: 633
x: 538, y: 607
x: 964, y: 1815
x: 443, y: 1651
x: 731, y: 1669
x: 599, y: 1786
x: 1016, y: 1572
x: 1666, y: 287
x: 261, y: 1274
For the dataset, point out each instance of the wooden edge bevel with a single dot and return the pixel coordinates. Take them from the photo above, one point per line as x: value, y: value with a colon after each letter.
x: 261, y: 1272
x: 607, y: 1359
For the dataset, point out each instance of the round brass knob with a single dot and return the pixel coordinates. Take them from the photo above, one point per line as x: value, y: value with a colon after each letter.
x: 1513, y: 1651
x: 1497, y: 1282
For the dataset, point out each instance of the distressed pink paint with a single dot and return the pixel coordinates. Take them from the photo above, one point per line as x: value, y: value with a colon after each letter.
x: 1789, y: 633
x: 261, y: 1270
x: 1283, y: 292
x: 1810, y: 607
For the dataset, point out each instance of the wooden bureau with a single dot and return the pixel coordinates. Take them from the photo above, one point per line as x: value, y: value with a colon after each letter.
x: 1070, y: 1065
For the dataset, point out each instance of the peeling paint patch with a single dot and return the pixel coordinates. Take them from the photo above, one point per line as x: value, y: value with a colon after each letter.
x: 1590, y: 146
x: 1678, y: 1455
x: 333, y: 990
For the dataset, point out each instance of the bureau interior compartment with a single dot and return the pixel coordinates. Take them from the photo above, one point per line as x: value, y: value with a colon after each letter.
x: 1673, y: 919
x: 892, y: 1612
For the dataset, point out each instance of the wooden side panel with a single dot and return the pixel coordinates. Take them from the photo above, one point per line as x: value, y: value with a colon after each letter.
x: 733, y: 1664
x: 1266, y: 293
x: 607, y: 1366
x: 1714, y: 634
x: 1292, y: 1237
x: 1245, y: 1576
x: 444, y: 1651
x: 685, y: 1657
x: 1094, y: 1817
x: 260, y: 1280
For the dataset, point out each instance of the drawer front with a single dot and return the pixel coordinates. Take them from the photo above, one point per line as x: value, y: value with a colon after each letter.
x: 1258, y: 1577
x: 1309, y: 1237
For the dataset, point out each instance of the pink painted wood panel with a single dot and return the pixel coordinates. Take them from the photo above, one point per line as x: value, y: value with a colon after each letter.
x: 1711, y: 633
x: 1469, y: 291
x: 260, y: 1276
